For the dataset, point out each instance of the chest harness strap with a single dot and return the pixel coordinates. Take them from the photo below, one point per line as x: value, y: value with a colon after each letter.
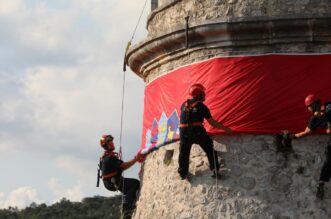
x: 188, y: 109
x: 111, y: 154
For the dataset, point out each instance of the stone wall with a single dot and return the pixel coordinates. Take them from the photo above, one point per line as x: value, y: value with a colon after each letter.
x: 171, y: 13
x: 164, y: 2
x: 257, y: 182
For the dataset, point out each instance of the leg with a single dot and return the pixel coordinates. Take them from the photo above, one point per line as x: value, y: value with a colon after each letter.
x: 326, y: 169
x: 130, y: 190
x: 325, y: 172
x: 206, y: 143
x: 184, y: 155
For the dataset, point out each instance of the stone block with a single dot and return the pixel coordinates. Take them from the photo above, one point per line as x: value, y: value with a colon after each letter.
x: 247, y: 183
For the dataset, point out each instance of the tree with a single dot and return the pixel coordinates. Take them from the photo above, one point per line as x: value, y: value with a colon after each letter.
x: 90, y: 208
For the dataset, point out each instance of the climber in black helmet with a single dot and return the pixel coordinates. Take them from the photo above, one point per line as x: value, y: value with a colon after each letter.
x: 321, y: 118
x: 112, y: 167
x: 192, y: 131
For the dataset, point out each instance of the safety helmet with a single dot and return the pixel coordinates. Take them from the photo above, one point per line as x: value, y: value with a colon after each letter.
x: 197, y: 90
x: 310, y: 99
x: 104, y: 140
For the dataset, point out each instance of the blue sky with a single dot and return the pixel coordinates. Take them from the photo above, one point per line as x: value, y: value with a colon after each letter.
x: 60, y: 90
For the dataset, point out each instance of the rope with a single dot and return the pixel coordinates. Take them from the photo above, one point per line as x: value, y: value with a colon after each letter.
x: 216, y: 182
x: 123, y: 95
x: 121, y: 134
x: 141, y: 13
x: 122, y: 110
x: 124, y: 70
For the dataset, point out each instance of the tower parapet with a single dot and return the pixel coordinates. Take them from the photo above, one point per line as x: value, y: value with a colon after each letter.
x: 233, y: 27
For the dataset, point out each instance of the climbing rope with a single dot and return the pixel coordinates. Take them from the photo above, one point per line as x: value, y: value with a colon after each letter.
x: 216, y: 182
x: 141, y: 13
x: 122, y: 110
x: 123, y: 95
x: 124, y: 70
x: 121, y: 134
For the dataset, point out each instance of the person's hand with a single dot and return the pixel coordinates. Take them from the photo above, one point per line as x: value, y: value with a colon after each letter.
x: 292, y: 136
x: 140, y: 157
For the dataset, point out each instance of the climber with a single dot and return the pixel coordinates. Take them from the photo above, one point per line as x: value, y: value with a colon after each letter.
x: 193, y: 113
x: 321, y: 118
x: 112, y: 167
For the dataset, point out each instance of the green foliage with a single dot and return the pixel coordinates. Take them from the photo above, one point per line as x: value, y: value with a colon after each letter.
x: 90, y: 208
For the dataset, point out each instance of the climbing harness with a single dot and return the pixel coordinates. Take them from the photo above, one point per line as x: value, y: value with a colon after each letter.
x: 109, y: 154
x: 188, y: 107
x: 187, y: 47
x: 184, y: 125
x: 104, y: 141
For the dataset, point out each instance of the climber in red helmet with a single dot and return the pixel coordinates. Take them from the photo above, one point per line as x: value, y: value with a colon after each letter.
x: 321, y: 118
x: 192, y: 131
x: 112, y: 167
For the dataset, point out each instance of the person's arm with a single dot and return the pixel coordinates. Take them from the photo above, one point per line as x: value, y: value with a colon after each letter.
x: 307, y: 131
x: 128, y: 164
x: 218, y: 125
x: 313, y: 123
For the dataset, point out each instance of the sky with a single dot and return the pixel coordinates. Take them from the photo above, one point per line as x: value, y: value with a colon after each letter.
x: 60, y: 89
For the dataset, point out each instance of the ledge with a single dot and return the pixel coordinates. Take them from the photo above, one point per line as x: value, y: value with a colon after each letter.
x: 229, y: 35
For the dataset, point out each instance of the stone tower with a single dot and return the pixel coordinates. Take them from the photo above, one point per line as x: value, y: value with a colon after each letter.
x: 258, y: 182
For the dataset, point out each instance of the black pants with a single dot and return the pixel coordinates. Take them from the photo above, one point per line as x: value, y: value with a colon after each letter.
x: 195, y: 135
x: 326, y: 169
x: 130, y: 188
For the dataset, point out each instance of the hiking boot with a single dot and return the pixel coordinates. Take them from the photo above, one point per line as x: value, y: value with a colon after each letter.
x: 187, y: 177
x: 320, y: 192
